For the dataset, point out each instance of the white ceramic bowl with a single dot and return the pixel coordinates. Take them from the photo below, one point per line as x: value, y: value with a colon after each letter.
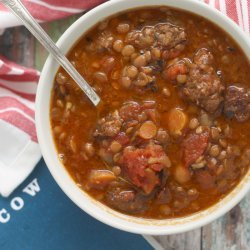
x: 79, y: 197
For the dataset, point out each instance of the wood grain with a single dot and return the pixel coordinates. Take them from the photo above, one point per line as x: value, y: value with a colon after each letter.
x: 231, y: 232
x: 20, y: 46
x: 17, y: 44
x: 186, y: 241
x: 55, y: 30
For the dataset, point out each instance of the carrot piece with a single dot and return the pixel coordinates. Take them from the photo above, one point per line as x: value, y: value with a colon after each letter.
x: 148, y: 130
x: 177, y: 120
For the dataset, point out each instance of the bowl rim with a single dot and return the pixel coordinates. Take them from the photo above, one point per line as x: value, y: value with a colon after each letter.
x: 59, y: 172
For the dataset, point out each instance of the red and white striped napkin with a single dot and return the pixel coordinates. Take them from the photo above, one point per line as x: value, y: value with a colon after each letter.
x: 47, y: 10
x: 237, y: 10
x: 19, y: 151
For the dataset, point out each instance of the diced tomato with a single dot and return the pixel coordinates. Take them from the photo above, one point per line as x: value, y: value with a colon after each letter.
x: 194, y: 146
x: 172, y: 71
x: 136, y: 165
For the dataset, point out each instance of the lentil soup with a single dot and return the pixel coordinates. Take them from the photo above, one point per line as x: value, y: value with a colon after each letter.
x: 172, y: 134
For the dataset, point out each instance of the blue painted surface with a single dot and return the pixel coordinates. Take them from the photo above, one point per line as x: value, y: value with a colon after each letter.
x: 49, y: 220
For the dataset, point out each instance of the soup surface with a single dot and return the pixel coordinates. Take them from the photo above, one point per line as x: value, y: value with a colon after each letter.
x: 172, y: 134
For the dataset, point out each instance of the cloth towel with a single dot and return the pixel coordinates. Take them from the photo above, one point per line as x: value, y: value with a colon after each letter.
x: 19, y: 151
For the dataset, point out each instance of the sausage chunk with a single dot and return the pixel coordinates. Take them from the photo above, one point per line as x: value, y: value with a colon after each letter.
x: 110, y: 125
x: 126, y: 200
x: 201, y: 85
x: 104, y: 41
x: 237, y: 103
x: 164, y: 36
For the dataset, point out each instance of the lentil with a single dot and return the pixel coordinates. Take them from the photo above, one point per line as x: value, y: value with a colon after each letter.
x: 181, y: 79
x: 116, y: 170
x: 57, y: 129
x: 123, y: 28
x: 61, y: 78
x: 115, y: 147
x: 62, y: 136
x: 132, y: 71
x: 222, y: 155
x: 156, y: 53
x: 194, y: 123
x: 59, y: 103
x: 89, y: 149
x: 128, y: 50
x: 215, y: 133
x: 199, y: 130
x: 214, y: 151
x: 100, y: 77
x: 118, y: 45
x: 223, y: 143
x: 126, y: 82
x: 166, y: 92
x: 140, y: 61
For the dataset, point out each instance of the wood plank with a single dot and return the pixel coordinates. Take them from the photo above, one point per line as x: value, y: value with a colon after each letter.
x: 186, y: 241
x: 55, y: 30
x: 17, y: 44
x: 20, y: 46
x: 230, y: 232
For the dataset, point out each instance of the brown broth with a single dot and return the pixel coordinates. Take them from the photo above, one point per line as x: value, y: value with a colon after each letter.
x: 75, y: 126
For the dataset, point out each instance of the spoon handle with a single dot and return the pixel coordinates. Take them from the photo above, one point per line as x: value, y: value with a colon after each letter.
x: 23, y: 14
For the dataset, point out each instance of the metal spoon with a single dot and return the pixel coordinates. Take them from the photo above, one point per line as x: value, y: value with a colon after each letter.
x: 30, y: 23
